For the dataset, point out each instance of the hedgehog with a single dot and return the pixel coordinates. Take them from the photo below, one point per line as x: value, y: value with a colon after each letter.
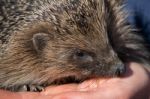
x: 53, y: 42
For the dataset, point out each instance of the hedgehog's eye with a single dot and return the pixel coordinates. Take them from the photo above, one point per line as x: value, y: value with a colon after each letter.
x: 82, y: 56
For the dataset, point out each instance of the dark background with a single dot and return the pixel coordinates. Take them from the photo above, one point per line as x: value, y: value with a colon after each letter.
x: 140, y: 16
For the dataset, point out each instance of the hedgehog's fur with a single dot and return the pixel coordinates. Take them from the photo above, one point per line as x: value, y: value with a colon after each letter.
x: 45, y: 41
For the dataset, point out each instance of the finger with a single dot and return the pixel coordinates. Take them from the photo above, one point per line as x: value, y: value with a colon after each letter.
x: 33, y: 95
x: 73, y: 95
x: 92, y: 84
x: 52, y: 90
x: 22, y: 95
x: 138, y: 76
x: 8, y: 95
x: 85, y: 86
x: 91, y: 95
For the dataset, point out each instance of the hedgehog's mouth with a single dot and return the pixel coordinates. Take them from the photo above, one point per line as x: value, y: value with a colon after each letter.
x: 66, y: 80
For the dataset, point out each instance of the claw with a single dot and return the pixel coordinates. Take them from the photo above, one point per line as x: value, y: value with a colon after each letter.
x: 23, y: 88
x: 35, y: 88
x: 31, y: 88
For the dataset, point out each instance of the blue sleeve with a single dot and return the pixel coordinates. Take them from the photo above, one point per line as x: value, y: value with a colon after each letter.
x: 139, y: 15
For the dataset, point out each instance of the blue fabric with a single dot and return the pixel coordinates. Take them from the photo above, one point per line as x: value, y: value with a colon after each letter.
x: 140, y: 15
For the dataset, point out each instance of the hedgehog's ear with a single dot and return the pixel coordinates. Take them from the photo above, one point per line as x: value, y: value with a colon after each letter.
x: 39, y: 41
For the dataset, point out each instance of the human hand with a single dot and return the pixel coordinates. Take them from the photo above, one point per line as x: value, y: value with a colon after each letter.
x: 135, y: 84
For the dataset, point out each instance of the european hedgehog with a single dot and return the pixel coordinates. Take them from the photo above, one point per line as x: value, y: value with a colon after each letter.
x: 46, y: 42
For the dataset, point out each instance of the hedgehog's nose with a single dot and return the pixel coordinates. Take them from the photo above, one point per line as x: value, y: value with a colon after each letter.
x: 120, y: 69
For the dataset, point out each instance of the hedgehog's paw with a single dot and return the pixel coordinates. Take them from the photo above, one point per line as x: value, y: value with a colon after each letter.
x: 31, y: 88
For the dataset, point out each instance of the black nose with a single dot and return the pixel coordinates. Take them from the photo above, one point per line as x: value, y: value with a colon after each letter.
x: 120, y: 69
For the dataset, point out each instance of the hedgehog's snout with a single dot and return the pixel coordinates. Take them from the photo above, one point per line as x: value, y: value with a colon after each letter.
x: 119, y: 69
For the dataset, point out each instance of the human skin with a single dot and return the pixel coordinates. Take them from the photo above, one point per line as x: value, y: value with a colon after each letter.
x: 135, y: 84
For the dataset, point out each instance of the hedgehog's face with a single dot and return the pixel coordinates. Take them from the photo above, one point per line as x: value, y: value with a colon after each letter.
x: 76, y: 55
x: 83, y: 56
x: 76, y: 41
